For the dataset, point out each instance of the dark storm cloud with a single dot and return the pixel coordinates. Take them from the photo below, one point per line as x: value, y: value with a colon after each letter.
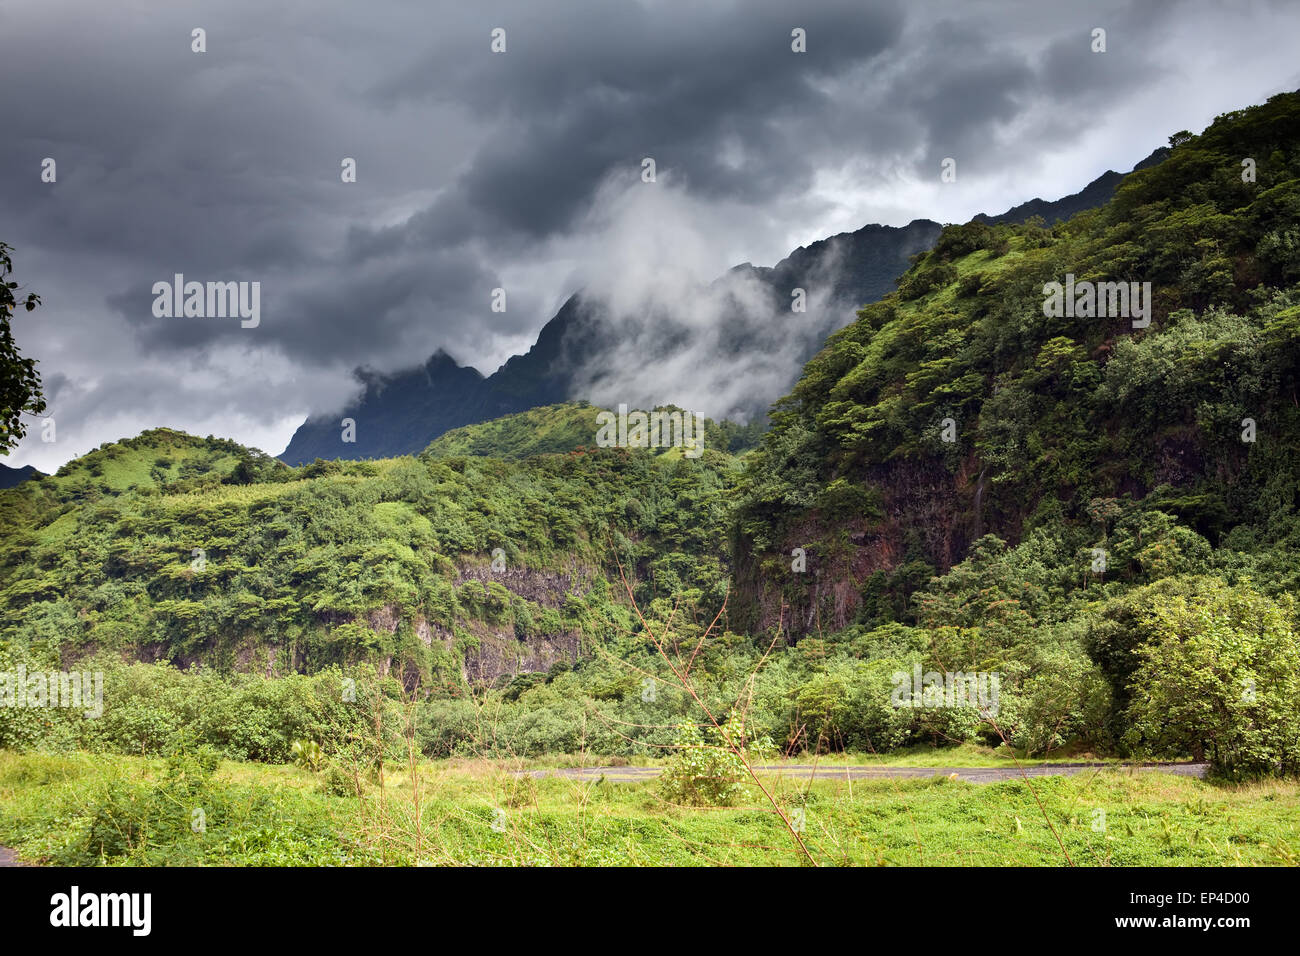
x: 521, y: 170
x: 602, y: 85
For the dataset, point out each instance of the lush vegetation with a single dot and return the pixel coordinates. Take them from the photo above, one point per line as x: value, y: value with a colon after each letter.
x: 1100, y: 533
x: 1023, y: 494
x: 20, y: 383
x: 79, y: 809
x: 556, y: 429
x: 172, y: 547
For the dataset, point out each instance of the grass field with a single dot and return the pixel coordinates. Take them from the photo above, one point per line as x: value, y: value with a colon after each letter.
x: 88, y: 809
x: 957, y: 755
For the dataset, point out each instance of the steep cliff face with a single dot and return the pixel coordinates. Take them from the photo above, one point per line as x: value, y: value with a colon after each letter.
x: 502, y: 655
x: 541, y: 587
x: 504, y: 652
x: 487, y: 650
x: 922, y: 512
x: 923, y: 522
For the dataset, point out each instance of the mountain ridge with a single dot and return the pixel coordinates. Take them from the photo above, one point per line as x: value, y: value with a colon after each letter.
x: 13, y: 476
x: 402, y: 412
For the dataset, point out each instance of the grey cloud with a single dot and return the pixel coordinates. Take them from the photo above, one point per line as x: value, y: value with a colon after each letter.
x: 477, y: 170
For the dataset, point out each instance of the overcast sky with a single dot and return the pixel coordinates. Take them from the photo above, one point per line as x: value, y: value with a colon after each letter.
x: 522, y: 169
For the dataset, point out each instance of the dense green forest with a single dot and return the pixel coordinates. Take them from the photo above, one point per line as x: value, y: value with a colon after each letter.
x: 1105, y: 516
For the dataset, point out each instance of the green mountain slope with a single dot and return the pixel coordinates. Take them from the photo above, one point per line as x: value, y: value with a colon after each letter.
x: 567, y: 427
x: 1097, y: 518
x: 546, y: 430
x: 1051, y: 415
x: 226, y: 557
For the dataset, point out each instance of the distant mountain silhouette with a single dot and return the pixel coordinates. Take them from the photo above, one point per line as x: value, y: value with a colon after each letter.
x: 1089, y: 197
x: 12, y: 476
x: 402, y: 413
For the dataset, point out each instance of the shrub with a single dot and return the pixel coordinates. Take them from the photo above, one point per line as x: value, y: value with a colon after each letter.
x: 914, y: 285
x: 706, y: 772
x: 1219, y: 678
x: 957, y: 241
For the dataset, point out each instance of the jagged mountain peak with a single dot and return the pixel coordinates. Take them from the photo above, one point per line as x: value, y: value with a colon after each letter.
x: 403, y: 413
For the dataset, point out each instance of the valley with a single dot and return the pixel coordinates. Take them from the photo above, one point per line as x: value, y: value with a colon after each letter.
x: 372, y: 658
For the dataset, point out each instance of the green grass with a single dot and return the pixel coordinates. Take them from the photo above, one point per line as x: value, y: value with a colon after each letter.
x: 83, y: 810
x: 400, y: 515
x: 548, y: 429
x: 958, y: 755
x: 53, y: 808
x: 60, y: 529
x: 560, y: 429
x: 132, y: 463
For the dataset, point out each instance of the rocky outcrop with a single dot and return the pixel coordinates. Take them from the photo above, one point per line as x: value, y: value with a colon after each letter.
x: 543, y: 588
x: 501, y: 653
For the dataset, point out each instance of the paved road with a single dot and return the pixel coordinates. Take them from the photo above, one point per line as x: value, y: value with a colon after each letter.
x: 7, y: 857
x: 830, y: 772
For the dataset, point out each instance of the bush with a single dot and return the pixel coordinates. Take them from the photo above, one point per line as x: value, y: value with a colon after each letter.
x: 127, y: 817
x: 708, y: 773
x: 969, y: 284
x: 914, y: 285
x: 957, y: 241
x: 1219, y: 678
